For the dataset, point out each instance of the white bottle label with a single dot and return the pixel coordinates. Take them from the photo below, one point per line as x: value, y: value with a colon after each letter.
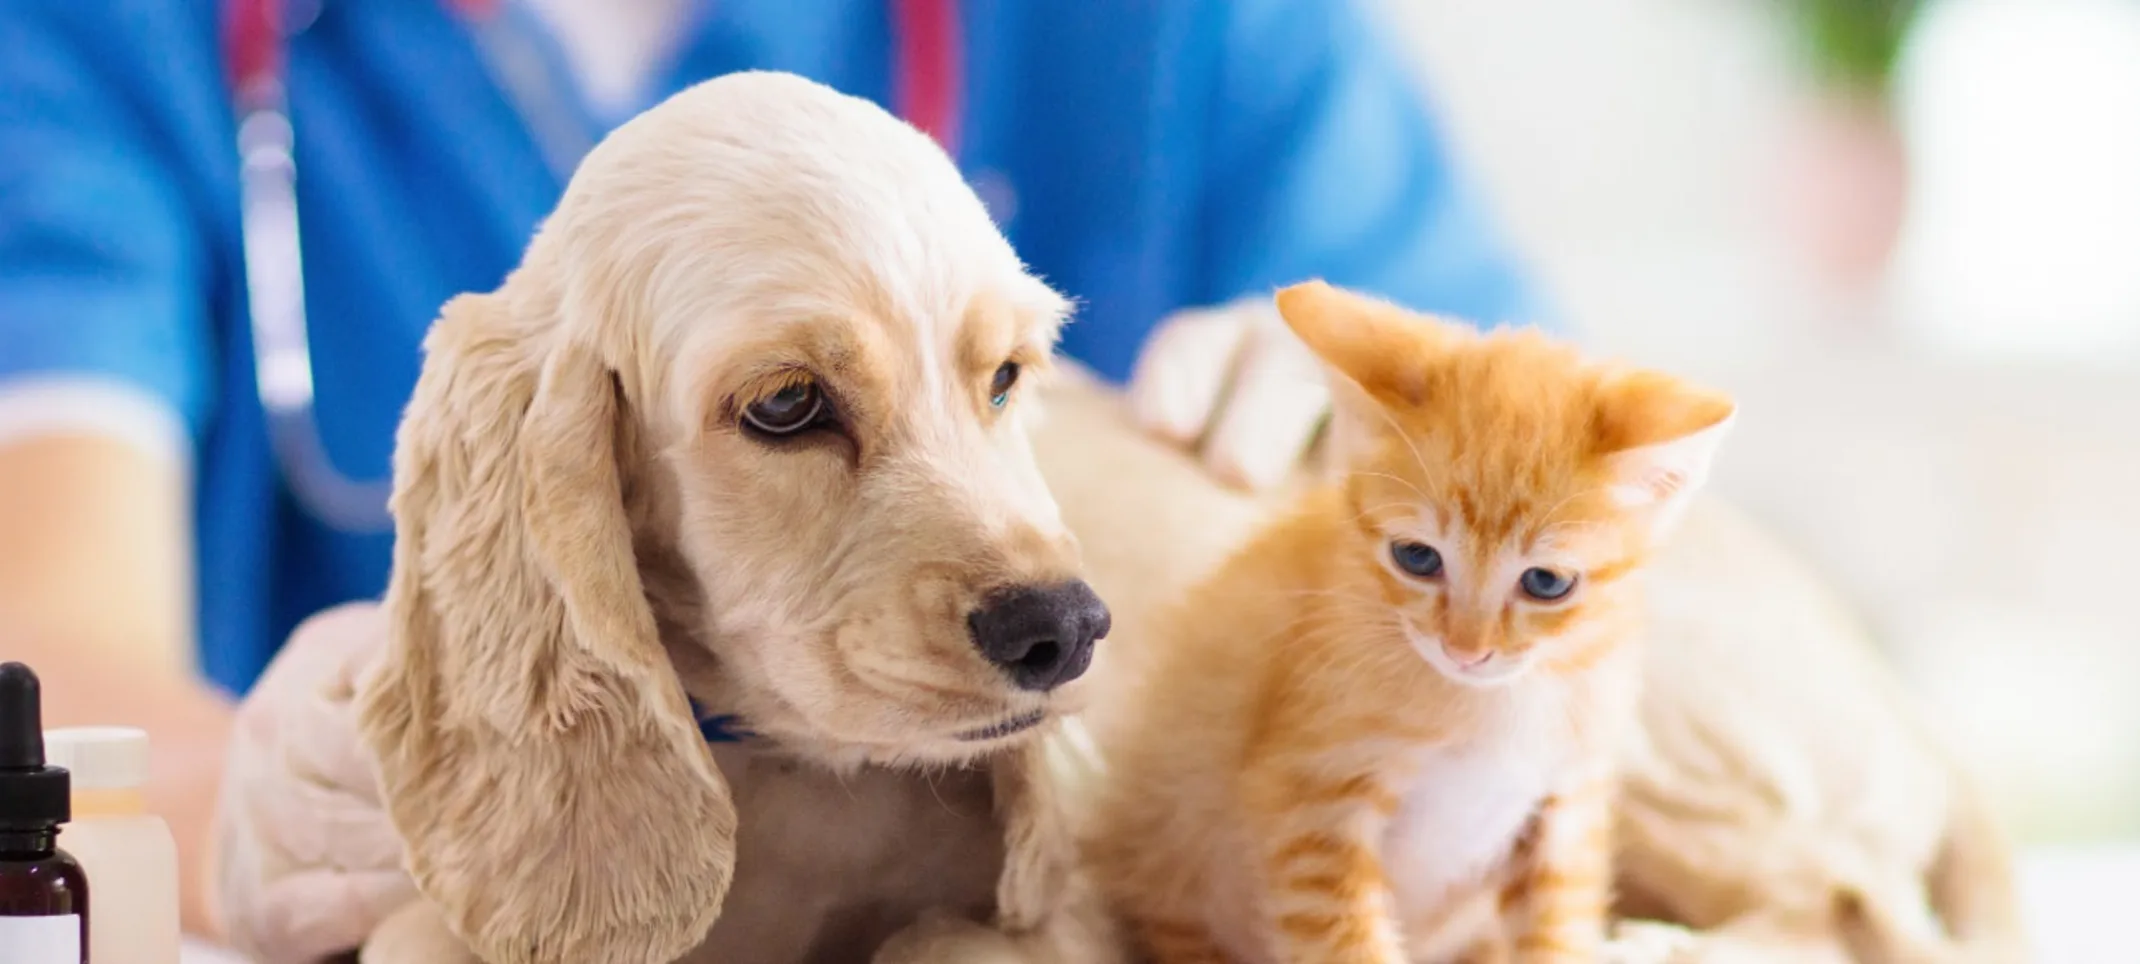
x: 41, y: 940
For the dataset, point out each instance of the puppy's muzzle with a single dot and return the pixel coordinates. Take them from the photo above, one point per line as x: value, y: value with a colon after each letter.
x: 1040, y: 636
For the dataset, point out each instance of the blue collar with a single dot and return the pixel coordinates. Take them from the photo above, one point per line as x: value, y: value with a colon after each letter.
x: 720, y: 728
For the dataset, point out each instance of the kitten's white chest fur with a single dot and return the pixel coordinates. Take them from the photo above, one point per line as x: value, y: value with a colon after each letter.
x: 1468, y: 802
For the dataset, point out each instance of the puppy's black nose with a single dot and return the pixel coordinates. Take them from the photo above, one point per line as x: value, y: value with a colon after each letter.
x: 1041, y: 636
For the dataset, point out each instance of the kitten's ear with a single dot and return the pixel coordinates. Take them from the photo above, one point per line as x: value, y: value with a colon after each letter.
x: 1378, y: 346
x: 1659, y: 436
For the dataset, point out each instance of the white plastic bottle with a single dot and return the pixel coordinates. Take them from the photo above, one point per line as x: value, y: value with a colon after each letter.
x: 127, y: 852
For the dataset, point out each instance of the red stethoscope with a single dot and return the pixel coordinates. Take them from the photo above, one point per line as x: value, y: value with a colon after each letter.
x: 927, y: 90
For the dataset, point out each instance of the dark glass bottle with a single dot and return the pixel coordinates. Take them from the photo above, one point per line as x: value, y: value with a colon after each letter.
x: 44, y: 896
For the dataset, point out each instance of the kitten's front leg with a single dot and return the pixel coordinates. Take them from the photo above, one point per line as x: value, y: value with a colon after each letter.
x: 1560, y: 893
x: 1318, y: 836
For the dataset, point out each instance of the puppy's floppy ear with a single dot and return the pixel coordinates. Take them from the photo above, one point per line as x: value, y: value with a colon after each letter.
x: 536, y: 750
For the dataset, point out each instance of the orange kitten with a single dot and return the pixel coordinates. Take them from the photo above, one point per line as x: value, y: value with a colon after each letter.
x: 1388, y: 722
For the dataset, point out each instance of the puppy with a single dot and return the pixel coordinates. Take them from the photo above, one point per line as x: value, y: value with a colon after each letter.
x: 737, y: 455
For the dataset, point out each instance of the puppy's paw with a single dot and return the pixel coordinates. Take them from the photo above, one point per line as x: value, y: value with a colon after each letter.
x: 940, y: 938
x: 415, y: 934
x: 1651, y: 942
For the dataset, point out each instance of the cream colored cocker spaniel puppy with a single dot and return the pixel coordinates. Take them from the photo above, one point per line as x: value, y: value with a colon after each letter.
x: 742, y: 437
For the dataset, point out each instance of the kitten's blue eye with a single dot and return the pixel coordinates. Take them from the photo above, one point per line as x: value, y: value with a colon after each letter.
x: 999, y: 389
x: 1417, y: 558
x: 1545, y: 585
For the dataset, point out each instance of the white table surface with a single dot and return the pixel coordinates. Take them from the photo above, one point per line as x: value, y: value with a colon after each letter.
x: 2080, y: 905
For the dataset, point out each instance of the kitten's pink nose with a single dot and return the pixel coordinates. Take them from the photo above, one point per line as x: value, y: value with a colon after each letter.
x: 1468, y: 660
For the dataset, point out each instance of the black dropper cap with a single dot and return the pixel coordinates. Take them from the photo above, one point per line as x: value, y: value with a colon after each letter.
x: 33, y: 796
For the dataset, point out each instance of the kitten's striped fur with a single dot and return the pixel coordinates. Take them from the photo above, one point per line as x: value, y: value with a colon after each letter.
x: 1332, y: 757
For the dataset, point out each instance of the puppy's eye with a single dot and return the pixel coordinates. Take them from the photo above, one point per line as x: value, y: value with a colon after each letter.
x: 1545, y: 585
x: 787, y: 411
x: 1417, y: 558
x: 999, y: 389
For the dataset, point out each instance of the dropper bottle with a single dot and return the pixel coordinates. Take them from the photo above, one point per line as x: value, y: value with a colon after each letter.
x: 44, y: 896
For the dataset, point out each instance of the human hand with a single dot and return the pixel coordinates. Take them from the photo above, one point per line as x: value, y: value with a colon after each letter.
x: 307, y: 863
x: 1233, y: 383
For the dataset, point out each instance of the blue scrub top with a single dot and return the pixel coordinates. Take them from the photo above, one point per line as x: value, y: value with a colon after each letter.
x: 1159, y: 154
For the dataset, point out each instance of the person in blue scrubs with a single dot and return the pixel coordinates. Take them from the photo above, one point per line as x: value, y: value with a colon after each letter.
x: 1144, y: 157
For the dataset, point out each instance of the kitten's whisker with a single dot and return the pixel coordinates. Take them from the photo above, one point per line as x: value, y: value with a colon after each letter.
x: 1370, y: 511
x: 1346, y: 636
x: 1407, y: 483
x: 1553, y: 512
x: 1418, y: 460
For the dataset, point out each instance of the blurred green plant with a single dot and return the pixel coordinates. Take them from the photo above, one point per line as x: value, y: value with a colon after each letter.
x: 1853, y: 44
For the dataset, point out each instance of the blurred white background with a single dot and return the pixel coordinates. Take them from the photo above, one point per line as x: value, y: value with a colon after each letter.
x: 1950, y: 423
